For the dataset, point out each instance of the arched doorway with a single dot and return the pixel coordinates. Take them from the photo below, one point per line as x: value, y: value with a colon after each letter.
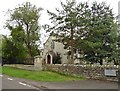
x: 48, y: 59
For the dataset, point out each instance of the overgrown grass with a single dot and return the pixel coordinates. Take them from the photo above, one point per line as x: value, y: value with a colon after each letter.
x: 38, y: 76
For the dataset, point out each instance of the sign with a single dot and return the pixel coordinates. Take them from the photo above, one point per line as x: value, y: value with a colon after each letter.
x: 109, y: 72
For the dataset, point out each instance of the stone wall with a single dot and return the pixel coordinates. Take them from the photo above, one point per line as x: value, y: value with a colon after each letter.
x: 88, y: 71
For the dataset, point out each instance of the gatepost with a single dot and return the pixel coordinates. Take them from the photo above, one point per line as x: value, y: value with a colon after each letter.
x: 38, y: 63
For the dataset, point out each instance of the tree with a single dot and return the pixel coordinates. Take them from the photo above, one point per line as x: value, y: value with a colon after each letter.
x: 13, y: 52
x: 8, y: 50
x: 116, y: 52
x: 25, y: 17
x: 91, y: 29
x: 100, y: 41
x: 68, y: 22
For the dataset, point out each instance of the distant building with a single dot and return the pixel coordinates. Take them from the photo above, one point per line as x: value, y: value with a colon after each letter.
x: 54, y: 52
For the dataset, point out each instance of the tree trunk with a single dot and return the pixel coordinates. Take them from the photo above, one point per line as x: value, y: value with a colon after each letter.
x: 101, y: 62
x: 31, y: 61
x: 72, y: 55
x: 72, y: 47
x: 28, y: 43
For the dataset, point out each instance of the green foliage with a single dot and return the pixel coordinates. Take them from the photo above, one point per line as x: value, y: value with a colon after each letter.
x: 23, y: 41
x: 91, y: 29
x: 24, y: 27
x: 13, y: 52
x: 102, y: 34
x: 68, y: 22
x: 68, y: 19
x: 57, y: 58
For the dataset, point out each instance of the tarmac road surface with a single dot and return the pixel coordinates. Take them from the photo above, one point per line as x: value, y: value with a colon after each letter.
x: 8, y: 83
x: 20, y: 84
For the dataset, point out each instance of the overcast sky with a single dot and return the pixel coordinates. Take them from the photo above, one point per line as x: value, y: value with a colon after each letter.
x: 46, y: 5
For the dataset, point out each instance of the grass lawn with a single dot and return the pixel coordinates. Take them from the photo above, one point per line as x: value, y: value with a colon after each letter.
x: 38, y: 76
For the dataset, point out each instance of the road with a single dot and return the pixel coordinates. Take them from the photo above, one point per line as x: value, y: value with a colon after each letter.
x: 11, y: 83
x: 19, y: 84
